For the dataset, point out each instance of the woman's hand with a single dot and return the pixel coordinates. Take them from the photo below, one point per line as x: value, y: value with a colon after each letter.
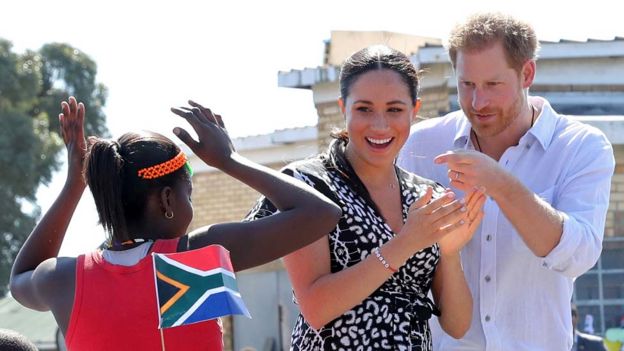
x: 454, y: 241
x: 72, y: 130
x: 214, y: 146
x: 428, y: 220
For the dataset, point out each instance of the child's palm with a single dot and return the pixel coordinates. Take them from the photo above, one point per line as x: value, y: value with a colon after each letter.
x: 214, y: 146
x: 72, y: 129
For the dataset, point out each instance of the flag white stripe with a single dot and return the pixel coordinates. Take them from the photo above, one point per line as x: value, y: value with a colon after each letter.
x: 201, y: 300
x: 195, y: 270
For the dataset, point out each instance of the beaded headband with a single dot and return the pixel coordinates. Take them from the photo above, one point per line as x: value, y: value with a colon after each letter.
x: 164, y: 168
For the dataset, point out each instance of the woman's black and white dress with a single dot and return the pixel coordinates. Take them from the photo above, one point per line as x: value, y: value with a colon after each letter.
x: 395, y: 316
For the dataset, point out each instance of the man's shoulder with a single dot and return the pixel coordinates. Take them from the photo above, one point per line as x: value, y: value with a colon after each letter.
x: 439, y: 131
x: 445, y: 123
x: 570, y: 128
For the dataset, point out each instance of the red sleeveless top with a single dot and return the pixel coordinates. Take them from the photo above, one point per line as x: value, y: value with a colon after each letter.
x: 115, y: 308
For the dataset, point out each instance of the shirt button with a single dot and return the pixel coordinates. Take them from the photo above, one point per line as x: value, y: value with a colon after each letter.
x: 487, y: 318
x: 487, y: 278
x: 488, y: 237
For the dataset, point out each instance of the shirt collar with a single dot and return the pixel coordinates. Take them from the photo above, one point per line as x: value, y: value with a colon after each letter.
x: 544, y: 127
x: 542, y: 130
x: 462, y: 128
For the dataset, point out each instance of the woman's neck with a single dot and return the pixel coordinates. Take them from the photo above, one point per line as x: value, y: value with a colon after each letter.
x: 373, y: 176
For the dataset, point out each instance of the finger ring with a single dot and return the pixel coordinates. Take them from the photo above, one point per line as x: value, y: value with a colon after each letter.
x: 456, y: 175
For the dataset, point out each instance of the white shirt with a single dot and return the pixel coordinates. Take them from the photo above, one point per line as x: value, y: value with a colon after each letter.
x: 521, y: 301
x: 128, y: 257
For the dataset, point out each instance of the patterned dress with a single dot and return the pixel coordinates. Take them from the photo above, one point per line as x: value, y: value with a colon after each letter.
x: 395, y: 316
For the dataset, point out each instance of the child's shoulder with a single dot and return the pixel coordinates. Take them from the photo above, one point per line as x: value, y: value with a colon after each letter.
x: 55, y: 273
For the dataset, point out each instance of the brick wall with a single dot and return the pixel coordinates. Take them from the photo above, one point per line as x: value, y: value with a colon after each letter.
x: 615, y: 216
x: 435, y: 102
x: 217, y: 197
x: 329, y: 118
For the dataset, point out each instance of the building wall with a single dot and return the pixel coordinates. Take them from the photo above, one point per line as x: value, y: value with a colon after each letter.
x: 615, y: 217
x: 329, y: 119
x: 343, y: 43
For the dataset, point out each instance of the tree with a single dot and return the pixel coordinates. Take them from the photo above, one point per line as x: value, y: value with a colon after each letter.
x: 32, y: 86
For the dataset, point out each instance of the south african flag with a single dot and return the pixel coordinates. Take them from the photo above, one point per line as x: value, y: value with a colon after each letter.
x: 195, y: 286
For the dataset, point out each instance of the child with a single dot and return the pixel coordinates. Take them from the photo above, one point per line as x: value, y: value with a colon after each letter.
x: 104, y: 300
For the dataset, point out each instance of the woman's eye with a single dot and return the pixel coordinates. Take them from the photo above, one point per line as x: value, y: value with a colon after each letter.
x: 363, y: 109
x: 395, y: 109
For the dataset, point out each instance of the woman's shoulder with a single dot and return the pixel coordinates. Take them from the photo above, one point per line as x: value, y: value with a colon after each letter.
x: 314, y: 165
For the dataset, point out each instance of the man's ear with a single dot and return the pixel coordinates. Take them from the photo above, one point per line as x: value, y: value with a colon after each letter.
x: 528, y: 73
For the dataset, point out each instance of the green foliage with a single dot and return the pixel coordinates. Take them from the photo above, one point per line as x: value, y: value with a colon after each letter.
x: 32, y: 85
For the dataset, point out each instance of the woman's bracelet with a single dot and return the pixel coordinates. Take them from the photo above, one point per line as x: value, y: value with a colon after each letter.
x: 383, y: 260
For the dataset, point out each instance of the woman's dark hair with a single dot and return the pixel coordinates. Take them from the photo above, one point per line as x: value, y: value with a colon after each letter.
x: 376, y: 57
x: 111, y: 171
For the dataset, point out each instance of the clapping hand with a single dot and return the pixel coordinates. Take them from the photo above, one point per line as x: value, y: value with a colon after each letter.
x: 428, y: 221
x: 455, y: 240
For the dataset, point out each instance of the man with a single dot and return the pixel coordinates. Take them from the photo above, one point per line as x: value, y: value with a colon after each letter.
x: 547, y: 179
x: 582, y: 341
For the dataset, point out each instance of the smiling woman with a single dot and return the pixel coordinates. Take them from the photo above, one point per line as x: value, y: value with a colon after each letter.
x: 365, y: 284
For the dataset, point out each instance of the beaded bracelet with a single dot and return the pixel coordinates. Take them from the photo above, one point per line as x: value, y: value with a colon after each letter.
x: 383, y: 260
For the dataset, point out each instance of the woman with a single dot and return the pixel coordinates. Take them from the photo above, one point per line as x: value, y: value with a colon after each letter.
x: 365, y: 285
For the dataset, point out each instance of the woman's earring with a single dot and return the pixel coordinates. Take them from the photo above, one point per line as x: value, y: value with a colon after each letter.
x: 169, y: 215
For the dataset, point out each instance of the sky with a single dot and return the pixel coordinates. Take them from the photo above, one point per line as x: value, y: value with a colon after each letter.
x: 227, y: 55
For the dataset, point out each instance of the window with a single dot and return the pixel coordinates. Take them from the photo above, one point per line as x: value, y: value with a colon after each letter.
x: 599, y: 293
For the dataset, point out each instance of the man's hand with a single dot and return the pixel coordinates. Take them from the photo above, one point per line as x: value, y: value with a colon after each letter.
x: 470, y: 170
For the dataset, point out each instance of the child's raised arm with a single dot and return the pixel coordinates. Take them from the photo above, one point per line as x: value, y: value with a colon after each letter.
x: 32, y: 283
x: 305, y: 215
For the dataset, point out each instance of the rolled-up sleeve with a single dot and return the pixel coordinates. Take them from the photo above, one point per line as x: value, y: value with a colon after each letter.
x: 583, y: 201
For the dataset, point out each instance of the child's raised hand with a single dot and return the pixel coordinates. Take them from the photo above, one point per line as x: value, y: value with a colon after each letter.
x: 71, y: 119
x: 214, y: 146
